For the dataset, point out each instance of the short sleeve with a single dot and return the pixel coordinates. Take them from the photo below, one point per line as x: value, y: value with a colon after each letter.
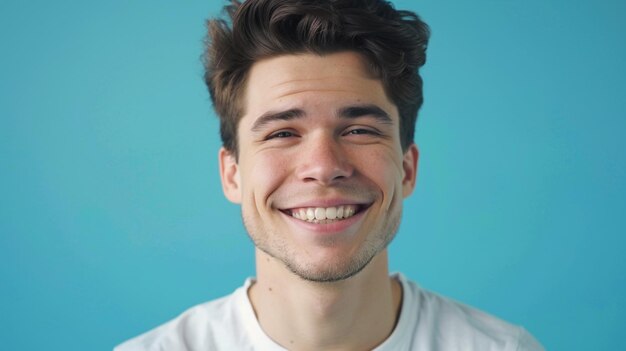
x: 527, y: 342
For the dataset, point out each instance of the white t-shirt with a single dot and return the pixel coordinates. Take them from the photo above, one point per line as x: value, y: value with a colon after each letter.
x: 427, y: 322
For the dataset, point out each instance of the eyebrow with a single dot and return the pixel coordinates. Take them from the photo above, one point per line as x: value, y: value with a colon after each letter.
x: 366, y: 110
x: 271, y: 116
x: 349, y: 112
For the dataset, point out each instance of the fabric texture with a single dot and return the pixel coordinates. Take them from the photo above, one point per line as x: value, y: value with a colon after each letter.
x: 428, y: 322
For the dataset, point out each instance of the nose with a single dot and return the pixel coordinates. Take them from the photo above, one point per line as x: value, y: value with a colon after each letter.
x: 323, y: 160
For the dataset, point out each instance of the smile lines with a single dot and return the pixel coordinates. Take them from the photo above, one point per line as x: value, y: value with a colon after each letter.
x: 323, y: 215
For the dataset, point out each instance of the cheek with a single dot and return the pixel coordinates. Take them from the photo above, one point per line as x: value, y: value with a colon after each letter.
x: 265, y: 173
x: 384, y: 168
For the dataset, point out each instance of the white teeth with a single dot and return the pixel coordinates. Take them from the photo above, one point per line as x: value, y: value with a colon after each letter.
x: 331, y: 213
x: 323, y: 215
x: 340, y: 212
x: 320, y: 213
x: 349, y: 211
x: 310, y: 214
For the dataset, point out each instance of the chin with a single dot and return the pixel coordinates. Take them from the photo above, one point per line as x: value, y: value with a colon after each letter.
x: 339, y: 267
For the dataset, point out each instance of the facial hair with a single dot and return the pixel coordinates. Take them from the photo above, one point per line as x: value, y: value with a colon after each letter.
x: 275, y: 246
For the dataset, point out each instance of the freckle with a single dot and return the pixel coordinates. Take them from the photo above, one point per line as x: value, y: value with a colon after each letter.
x: 270, y: 289
x: 291, y: 341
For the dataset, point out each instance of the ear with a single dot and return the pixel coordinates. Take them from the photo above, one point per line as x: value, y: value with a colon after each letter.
x: 409, y: 165
x: 229, y: 172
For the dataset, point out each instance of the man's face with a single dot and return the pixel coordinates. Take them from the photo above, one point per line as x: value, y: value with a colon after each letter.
x: 321, y: 174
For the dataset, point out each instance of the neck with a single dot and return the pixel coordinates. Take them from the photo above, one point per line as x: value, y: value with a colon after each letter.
x: 356, y: 313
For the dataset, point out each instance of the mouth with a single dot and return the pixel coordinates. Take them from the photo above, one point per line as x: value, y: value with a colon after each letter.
x: 325, y: 215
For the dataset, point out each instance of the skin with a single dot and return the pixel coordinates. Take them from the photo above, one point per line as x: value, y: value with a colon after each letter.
x: 319, y: 131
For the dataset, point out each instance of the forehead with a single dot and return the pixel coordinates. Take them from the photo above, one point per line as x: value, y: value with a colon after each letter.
x: 310, y: 81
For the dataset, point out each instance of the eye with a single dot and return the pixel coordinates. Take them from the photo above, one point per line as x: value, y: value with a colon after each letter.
x: 361, y: 131
x: 280, y: 135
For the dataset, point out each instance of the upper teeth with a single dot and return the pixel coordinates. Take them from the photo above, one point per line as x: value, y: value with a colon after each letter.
x: 314, y: 214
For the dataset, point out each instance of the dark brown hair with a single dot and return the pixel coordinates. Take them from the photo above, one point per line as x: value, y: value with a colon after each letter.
x: 392, y: 41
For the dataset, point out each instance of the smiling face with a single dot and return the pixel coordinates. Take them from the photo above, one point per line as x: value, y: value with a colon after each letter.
x: 321, y: 174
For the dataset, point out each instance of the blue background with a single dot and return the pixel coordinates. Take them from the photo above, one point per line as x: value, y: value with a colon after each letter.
x: 112, y: 219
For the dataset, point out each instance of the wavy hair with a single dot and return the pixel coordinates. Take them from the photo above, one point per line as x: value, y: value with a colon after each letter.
x: 392, y: 41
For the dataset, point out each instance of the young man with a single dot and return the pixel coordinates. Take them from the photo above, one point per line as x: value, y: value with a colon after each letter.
x: 318, y: 101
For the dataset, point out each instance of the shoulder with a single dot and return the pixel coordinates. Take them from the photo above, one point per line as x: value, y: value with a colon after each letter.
x: 452, y: 325
x: 206, y: 326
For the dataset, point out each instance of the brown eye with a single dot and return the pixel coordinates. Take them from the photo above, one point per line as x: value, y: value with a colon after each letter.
x: 280, y: 134
x: 361, y: 131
